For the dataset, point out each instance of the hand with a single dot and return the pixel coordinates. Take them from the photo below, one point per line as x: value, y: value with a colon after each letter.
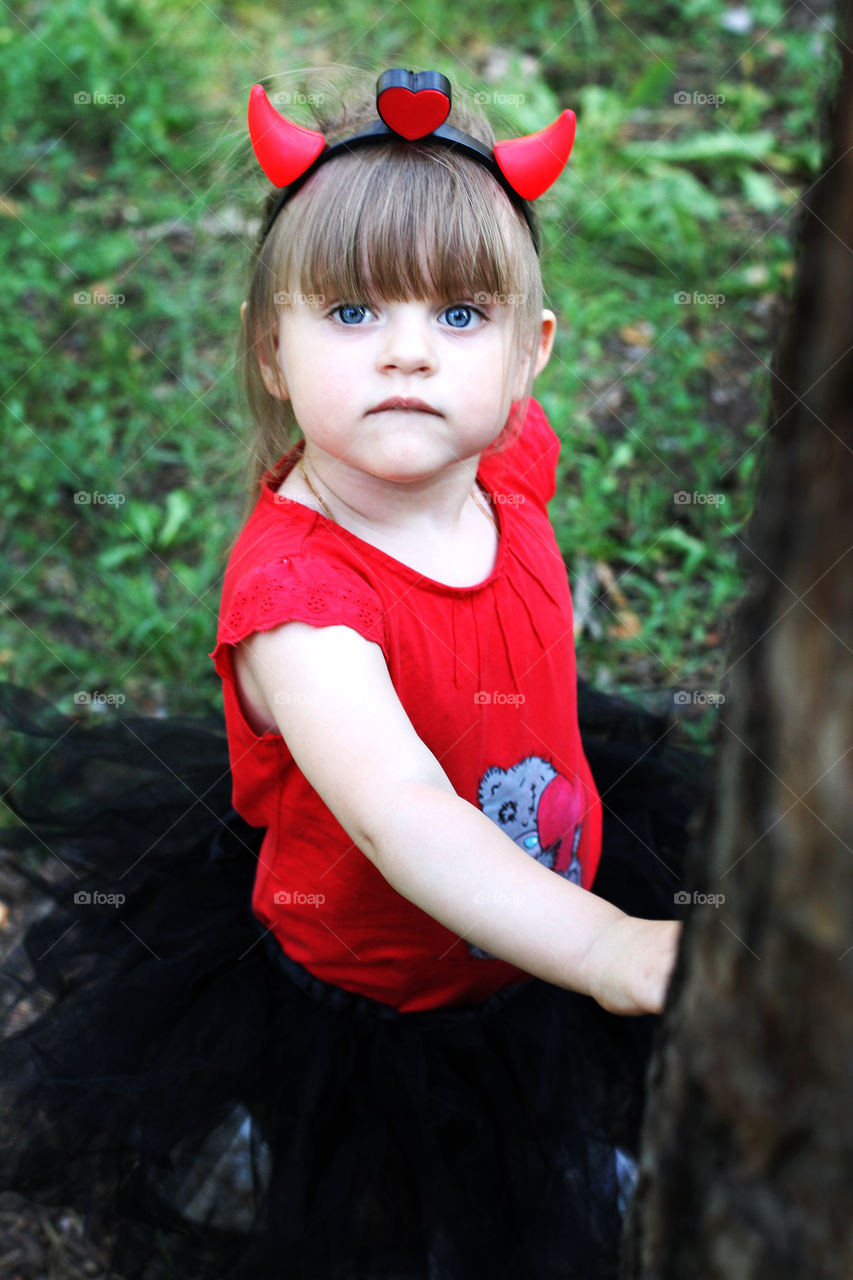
x: 629, y: 965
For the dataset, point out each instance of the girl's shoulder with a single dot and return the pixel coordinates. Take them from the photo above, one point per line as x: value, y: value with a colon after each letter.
x: 282, y: 577
x: 287, y: 565
x: 284, y: 531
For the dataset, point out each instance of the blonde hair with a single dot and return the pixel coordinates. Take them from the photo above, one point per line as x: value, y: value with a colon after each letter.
x: 392, y: 221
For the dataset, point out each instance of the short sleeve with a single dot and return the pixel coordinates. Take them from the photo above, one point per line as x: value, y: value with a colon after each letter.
x: 527, y: 466
x: 296, y: 588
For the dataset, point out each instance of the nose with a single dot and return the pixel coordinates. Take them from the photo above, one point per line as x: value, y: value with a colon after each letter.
x: 407, y: 342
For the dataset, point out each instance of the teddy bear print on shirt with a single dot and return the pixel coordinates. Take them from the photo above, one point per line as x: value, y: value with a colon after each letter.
x: 541, y: 810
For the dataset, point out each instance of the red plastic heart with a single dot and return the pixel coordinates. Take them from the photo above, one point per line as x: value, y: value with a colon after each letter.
x: 413, y: 115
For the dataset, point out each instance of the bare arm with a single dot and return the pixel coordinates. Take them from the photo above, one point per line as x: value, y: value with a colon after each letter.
x: 331, y: 695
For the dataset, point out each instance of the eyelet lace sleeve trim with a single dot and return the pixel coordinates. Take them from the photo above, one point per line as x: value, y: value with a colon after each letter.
x: 300, y: 589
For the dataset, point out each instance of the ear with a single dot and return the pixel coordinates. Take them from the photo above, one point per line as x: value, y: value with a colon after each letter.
x: 546, y: 342
x: 273, y: 376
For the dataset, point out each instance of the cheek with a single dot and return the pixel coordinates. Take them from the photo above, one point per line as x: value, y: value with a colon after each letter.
x: 305, y: 370
x: 494, y: 386
x: 321, y: 395
x: 521, y: 379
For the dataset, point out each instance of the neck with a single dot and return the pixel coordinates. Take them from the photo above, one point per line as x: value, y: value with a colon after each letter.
x: 362, y: 501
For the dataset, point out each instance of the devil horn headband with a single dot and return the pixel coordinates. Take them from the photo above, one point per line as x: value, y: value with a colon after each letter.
x: 412, y: 106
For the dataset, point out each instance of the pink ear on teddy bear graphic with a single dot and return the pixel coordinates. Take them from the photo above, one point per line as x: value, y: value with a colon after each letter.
x: 541, y: 810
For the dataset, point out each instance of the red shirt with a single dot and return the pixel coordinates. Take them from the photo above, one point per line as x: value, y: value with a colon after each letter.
x: 487, y: 677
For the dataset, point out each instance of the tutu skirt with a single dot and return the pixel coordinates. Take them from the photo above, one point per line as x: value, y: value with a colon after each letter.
x: 222, y: 1114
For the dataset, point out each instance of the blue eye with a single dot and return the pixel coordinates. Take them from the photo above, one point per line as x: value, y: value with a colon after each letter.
x: 351, y: 313
x: 459, y: 317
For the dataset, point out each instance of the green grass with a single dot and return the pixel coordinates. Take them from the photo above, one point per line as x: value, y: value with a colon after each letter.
x: 144, y: 201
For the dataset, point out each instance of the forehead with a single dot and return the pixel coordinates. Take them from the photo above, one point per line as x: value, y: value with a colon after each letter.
x: 402, y: 225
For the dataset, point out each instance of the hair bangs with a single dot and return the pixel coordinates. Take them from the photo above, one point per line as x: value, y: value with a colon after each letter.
x: 401, y: 222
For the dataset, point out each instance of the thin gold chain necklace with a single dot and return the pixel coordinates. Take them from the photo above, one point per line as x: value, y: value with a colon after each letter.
x: 478, y: 502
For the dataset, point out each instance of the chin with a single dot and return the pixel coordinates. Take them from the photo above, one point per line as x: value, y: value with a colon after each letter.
x: 403, y: 459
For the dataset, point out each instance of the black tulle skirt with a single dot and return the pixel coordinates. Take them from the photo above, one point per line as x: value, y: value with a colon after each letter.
x: 220, y: 1114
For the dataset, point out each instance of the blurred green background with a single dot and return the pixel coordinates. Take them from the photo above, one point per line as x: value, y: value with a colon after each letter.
x: 125, y: 226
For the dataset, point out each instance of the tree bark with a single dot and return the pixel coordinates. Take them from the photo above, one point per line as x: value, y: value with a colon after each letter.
x: 747, y: 1160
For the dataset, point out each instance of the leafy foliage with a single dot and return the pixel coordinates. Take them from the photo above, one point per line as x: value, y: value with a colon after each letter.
x: 124, y: 245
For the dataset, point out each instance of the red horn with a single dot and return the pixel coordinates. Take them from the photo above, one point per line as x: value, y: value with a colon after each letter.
x: 284, y: 149
x: 532, y: 163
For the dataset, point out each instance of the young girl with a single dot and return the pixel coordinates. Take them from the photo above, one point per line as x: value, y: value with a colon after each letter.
x: 409, y: 1058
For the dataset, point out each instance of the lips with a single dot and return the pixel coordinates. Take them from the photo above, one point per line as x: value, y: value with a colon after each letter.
x: 405, y: 405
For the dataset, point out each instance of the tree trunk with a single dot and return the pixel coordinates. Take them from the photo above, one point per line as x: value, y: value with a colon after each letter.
x: 747, y: 1162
